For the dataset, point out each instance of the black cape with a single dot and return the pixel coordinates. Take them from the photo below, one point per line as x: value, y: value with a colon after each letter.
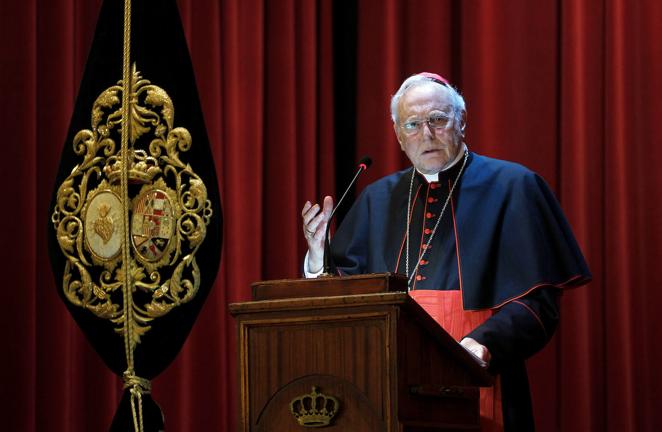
x: 502, y: 234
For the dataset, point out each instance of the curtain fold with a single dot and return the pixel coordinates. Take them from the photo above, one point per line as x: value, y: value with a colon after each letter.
x: 560, y: 87
x: 580, y: 352
x: 569, y: 89
x: 18, y: 79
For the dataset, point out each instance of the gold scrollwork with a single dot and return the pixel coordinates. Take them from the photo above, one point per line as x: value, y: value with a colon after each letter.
x: 169, y: 211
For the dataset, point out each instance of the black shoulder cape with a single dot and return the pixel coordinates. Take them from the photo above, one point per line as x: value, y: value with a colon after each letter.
x: 502, y: 235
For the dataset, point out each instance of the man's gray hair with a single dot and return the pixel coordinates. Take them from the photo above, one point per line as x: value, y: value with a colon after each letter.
x: 416, y: 80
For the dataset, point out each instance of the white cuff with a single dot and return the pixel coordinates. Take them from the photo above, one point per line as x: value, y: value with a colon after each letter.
x: 308, y: 274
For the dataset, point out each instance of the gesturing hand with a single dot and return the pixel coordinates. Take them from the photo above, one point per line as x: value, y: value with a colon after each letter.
x: 315, y: 221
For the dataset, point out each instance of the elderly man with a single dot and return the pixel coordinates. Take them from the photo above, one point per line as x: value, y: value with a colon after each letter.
x: 483, y: 242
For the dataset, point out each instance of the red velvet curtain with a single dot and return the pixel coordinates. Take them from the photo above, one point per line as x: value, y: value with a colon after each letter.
x: 570, y: 89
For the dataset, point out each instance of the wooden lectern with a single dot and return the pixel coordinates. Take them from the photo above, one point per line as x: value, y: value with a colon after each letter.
x: 350, y: 354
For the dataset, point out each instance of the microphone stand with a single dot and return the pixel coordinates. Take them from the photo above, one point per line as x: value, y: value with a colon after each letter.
x: 364, y: 163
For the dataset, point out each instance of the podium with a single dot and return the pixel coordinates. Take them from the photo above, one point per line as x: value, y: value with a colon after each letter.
x: 350, y: 354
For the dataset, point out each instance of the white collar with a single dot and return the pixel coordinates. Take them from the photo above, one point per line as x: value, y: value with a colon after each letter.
x: 435, y: 177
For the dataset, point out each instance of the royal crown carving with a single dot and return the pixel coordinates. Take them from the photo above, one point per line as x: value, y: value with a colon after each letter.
x: 314, y: 409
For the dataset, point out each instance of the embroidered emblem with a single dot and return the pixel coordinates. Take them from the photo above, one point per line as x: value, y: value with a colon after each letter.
x: 103, y: 231
x: 152, y: 225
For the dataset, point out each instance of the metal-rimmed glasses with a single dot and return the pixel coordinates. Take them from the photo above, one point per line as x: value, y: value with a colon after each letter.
x: 436, y: 120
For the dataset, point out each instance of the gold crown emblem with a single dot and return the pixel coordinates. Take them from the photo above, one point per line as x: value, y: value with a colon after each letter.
x: 142, y: 168
x: 314, y: 409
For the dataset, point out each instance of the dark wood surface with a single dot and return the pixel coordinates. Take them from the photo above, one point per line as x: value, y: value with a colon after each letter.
x: 390, y: 365
x: 328, y: 286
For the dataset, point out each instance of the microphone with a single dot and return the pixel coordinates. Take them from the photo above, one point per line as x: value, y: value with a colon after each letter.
x: 363, y: 165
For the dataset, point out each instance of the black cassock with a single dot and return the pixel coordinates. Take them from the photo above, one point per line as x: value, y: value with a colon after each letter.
x: 502, y: 237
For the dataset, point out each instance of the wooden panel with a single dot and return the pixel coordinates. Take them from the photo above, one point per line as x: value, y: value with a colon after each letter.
x: 435, y: 392
x: 350, y: 353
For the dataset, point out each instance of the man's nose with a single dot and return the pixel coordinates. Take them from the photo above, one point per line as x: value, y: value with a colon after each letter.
x: 427, y: 130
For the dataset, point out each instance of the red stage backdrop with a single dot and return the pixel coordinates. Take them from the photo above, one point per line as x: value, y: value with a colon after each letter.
x: 570, y: 89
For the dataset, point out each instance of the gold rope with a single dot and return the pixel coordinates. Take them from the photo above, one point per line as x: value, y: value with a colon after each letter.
x: 136, y: 385
x: 126, y: 90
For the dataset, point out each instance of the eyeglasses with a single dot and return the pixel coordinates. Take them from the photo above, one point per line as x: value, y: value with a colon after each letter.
x: 435, y: 121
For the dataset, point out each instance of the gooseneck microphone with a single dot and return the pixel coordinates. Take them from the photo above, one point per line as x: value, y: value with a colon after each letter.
x: 363, y: 165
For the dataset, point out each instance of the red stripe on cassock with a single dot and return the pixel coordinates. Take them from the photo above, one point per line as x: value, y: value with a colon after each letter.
x: 532, y: 313
x: 567, y: 284
x: 421, y: 243
x: 457, y: 243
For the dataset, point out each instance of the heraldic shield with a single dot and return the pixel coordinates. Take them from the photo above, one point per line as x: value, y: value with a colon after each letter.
x: 135, y: 229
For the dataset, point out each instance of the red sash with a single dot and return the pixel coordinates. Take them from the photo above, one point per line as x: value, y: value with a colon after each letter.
x: 446, y: 308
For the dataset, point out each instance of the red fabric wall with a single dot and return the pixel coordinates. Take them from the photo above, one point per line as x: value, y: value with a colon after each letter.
x: 570, y: 89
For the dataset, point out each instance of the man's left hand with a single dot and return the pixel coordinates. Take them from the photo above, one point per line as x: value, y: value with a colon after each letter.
x: 476, y: 349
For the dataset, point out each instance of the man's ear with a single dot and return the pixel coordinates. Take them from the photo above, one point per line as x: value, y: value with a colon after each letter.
x: 463, y: 121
